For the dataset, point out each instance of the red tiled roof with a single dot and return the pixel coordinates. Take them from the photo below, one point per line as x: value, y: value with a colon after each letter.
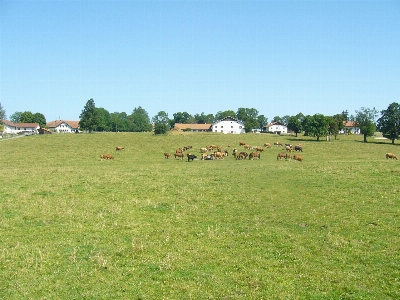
x: 192, y: 126
x: 25, y: 125
x: 54, y: 124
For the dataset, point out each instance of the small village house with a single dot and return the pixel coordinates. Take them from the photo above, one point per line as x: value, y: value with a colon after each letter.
x: 229, y: 125
x: 62, y: 126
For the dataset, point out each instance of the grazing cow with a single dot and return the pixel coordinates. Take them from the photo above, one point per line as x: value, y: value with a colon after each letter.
x: 203, y: 156
x: 297, y: 157
x: 253, y: 155
x: 191, y: 157
x: 179, y: 154
x: 259, y: 149
x: 209, y: 157
x: 267, y: 145
x: 203, y: 150
x: 282, y: 155
x: 391, y: 155
x: 298, y: 148
x: 240, y: 156
x: 106, y: 156
x: 244, y: 154
x: 247, y: 146
x: 242, y: 143
x: 119, y: 148
x: 278, y: 144
x: 179, y: 150
x: 288, y: 149
x: 219, y: 155
x: 167, y: 155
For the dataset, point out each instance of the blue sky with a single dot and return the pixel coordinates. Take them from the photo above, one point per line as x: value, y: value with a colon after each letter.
x: 279, y: 57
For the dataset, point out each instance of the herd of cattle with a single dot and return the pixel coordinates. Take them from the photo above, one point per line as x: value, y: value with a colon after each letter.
x: 212, y: 152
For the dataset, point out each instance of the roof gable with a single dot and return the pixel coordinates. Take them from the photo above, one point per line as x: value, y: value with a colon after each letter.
x: 227, y: 119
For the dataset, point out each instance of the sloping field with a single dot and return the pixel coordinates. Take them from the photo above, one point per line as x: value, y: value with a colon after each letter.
x: 140, y: 226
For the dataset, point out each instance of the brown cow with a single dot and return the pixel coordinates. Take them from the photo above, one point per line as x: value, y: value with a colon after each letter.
x: 297, y: 157
x: 278, y: 144
x: 167, y: 155
x: 119, y: 148
x: 267, y: 145
x: 391, y: 155
x: 219, y: 155
x: 106, y: 156
x: 179, y: 154
x: 288, y: 148
x: 253, y: 155
x: 281, y: 155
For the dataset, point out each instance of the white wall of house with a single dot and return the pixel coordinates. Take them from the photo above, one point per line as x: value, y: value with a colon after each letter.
x: 20, y: 129
x: 64, y: 128
x: 228, y: 125
x: 276, y: 128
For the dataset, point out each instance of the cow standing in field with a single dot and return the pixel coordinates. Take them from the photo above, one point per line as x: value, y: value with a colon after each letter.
x: 391, y: 155
x: 282, y: 155
x: 191, y: 156
x: 106, y: 156
x: 167, y: 155
x: 119, y: 148
x: 180, y: 155
x: 298, y: 158
x: 253, y: 155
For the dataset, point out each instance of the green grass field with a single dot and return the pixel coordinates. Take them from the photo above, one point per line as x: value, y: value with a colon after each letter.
x: 73, y: 226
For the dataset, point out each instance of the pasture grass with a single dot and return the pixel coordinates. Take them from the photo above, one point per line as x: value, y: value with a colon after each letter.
x: 73, y: 226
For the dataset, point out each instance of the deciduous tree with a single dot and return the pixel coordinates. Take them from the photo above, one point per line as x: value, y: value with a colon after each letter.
x: 89, y: 118
x: 389, y: 122
x: 365, y: 120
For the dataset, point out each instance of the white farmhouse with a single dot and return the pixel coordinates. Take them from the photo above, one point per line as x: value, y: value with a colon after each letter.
x: 228, y: 125
x: 275, y: 127
x: 63, y: 126
x: 20, y: 128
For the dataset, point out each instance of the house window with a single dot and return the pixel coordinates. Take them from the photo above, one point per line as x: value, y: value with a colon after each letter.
x: 240, y: 127
x: 231, y: 126
x: 222, y: 126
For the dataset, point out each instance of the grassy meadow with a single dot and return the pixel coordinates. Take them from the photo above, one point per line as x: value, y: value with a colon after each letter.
x: 73, y: 226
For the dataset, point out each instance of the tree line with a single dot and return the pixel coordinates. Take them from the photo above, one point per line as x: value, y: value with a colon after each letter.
x: 318, y: 125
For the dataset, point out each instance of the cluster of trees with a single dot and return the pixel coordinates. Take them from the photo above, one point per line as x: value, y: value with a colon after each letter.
x: 24, y: 117
x: 93, y: 118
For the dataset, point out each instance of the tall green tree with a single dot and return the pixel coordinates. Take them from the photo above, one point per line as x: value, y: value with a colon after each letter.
x: 119, y: 122
x: 181, y: 118
x: 389, y: 122
x: 161, y: 122
x: 104, y: 123
x: 316, y: 125
x: 294, y: 124
x: 89, y: 118
x: 3, y: 115
x: 139, y: 120
x: 16, y: 117
x: 249, y: 117
x: 335, y: 124
x: 27, y: 117
x: 223, y: 114
x: 262, y: 121
x: 204, y: 119
x: 39, y: 118
x: 276, y: 119
x: 365, y: 120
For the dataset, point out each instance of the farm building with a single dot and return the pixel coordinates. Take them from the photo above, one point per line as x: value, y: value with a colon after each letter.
x: 275, y: 127
x: 192, y: 127
x: 20, y: 128
x: 63, y: 126
x: 350, y: 127
x: 229, y: 125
